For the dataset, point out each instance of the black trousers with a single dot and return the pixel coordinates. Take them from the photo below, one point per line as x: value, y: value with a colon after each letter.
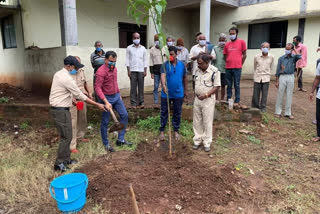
x: 318, y: 116
x: 260, y: 88
x: 62, y: 119
x: 137, y: 88
x: 176, y: 116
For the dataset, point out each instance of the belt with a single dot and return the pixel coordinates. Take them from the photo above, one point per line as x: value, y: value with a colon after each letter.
x: 60, y: 108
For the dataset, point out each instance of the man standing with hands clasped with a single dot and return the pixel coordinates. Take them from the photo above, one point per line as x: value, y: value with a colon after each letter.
x: 137, y: 64
x: 207, y: 82
x: 63, y: 88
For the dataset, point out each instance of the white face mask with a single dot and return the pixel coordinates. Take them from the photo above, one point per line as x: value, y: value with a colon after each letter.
x: 232, y: 37
x: 287, y: 52
x: 221, y: 44
x: 202, y: 42
x: 265, y: 50
x: 136, y: 41
x: 169, y: 43
x: 180, y: 47
x: 157, y: 43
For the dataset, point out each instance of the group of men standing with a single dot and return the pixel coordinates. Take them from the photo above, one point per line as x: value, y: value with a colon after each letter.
x: 212, y: 67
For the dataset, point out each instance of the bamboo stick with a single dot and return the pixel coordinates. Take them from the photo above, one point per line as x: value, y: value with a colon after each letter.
x: 134, y: 201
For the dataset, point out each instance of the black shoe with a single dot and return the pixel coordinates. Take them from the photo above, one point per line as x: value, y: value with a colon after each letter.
x: 124, y: 143
x: 70, y: 162
x: 61, y: 167
x: 109, y: 148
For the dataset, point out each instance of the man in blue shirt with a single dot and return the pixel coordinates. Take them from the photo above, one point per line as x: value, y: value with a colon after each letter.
x: 285, y: 80
x: 176, y: 88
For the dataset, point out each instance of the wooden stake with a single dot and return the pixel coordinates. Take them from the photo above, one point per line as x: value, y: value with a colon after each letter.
x: 134, y: 201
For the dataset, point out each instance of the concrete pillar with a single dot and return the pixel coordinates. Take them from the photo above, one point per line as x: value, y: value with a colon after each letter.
x: 68, y: 22
x: 151, y: 31
x: 205, y: 16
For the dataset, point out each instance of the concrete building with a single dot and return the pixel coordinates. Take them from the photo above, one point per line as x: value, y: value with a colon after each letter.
x: 37, y: 34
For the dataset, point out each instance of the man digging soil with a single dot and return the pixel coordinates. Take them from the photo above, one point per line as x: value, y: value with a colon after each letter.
x: 63, y: 88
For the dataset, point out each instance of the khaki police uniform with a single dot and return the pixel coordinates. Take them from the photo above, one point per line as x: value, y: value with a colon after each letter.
x: 79, y: 118
x: 203, y: 110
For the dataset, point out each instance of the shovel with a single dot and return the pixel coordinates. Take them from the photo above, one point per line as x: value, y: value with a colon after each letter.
x: 117, y: 126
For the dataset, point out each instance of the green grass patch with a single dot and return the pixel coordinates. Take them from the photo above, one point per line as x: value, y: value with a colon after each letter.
x: 254, y: 140
x: 4, y: 99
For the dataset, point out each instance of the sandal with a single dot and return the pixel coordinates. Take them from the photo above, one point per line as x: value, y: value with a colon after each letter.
x: 243, y: 107
x: 289, y: 117
x: 277, y: 115
x: 316, y: 139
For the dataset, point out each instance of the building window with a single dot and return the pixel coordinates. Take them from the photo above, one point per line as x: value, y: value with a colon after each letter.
x: 125, y: 34
x: 8, y: 32
x: 273, y: 32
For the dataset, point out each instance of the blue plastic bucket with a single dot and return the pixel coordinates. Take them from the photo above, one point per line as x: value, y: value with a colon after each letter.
x: 69, y: 191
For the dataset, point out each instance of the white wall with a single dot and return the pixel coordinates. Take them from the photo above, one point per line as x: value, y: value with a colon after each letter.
x: 176, y: 23
x: 12, y: 60
x: 98, y: 20
x: 123, y: 80
x: 41, y: 23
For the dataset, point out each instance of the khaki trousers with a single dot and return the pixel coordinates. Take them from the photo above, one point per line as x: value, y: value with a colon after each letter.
x: 203, y: 114
x: 79, y: 124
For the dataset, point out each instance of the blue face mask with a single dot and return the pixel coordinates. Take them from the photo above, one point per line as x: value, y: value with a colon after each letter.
x: 73, y: 72
x: 111, y: 65
x: 98, y: 49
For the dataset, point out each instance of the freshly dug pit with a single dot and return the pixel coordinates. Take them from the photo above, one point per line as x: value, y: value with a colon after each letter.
x: 160, y: 182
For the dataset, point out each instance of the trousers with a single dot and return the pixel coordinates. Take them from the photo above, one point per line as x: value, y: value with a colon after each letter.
x: 286, y: 86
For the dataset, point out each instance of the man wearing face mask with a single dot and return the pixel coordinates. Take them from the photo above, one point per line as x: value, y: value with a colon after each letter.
x: 220, y: 63
x: 170, y: 43
x: 155, y: 66
x: 302, y: 63
x: 235, y: 52
x: 285, y: 80
x: 137, y: 64
x: 177, y: 89
x: 97, y: 59
x: 263, y: 64
x: 79, y: 117
x: 108, y: 91
x: 196, y: 50
x: 63, y: 88
x: 183, y: 53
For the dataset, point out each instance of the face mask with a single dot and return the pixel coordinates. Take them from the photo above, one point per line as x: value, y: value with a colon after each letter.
x: 111, y: 65
x: 169, y: 43
x: 157, y: 43
x: 265, y: 50
x: 171, y: 58
x: 98, y: 49
x: 232, y: 37
x: 202, y: 42
x: 294, y: 43
x: 179, y: 48
x: 287, y: 52
x: 221, y: 44
x: 73, y: 71
x: 136, y: 41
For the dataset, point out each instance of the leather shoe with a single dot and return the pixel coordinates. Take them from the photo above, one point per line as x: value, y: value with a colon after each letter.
x: 124, y: 143
x: 70, y: 162
x: 109, y: 148
x: 61, y: 167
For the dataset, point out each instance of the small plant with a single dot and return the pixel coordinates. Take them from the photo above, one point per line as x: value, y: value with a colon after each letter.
x: 4, y: 99
x: 291, y: 187
x: 265, y: 118
x: 254, y: 140
x: 239, y: 166
x: 25, y: 126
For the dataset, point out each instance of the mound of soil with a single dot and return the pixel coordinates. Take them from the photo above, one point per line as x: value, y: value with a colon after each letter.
x: 13, y: 93
x: 160, y: 183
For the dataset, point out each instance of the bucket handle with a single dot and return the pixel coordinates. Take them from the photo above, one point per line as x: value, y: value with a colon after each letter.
x: 66, y: 202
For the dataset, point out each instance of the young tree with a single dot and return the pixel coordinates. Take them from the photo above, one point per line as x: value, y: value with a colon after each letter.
x: 142, y: 11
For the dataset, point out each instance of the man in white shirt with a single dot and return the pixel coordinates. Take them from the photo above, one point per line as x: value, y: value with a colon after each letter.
x: 136, y: 62
x: 196, y: 50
